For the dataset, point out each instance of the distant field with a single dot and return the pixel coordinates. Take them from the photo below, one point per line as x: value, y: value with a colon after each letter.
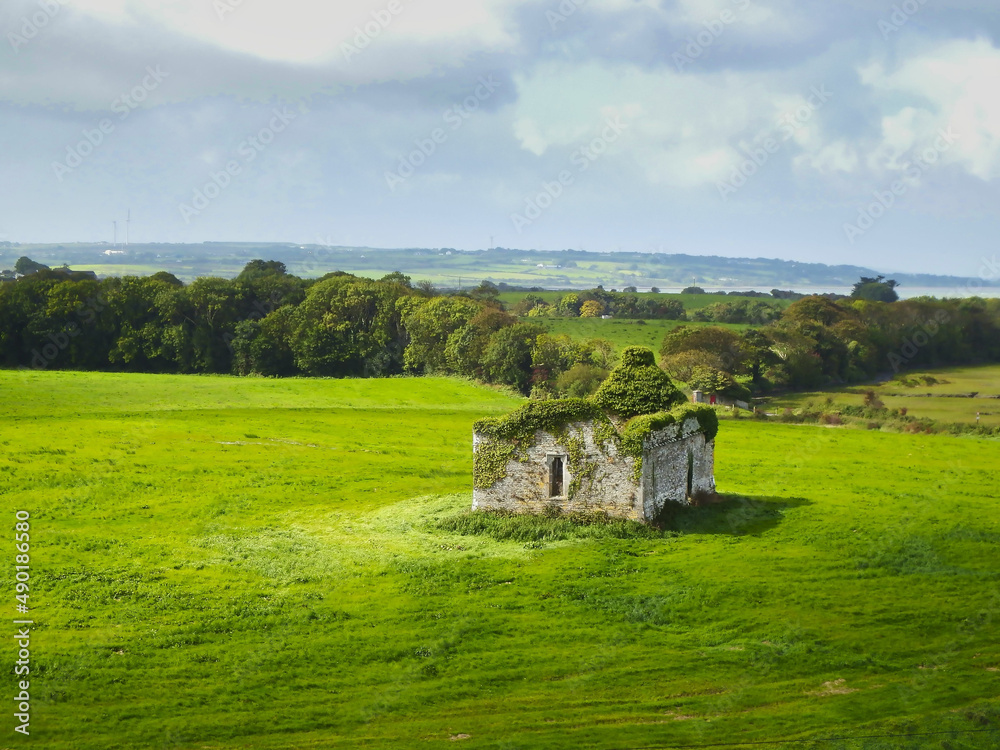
x: 249, y: 563
x: 182, y: 272
x: 927, y: 401
x: 621, y: 333
x: 690, y: 301
x: 452, y: 268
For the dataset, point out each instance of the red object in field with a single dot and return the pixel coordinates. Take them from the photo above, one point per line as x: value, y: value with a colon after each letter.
x: 711, y: 399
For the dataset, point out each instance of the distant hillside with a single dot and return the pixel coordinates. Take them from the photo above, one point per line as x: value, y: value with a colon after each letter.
x: 449, y: 267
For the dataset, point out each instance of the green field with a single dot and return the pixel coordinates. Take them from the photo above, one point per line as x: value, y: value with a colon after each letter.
x: 251, y: 563
x: 950, y: 400
x: 691, y: 302
x: 620, y: 332
x: 624, y: 332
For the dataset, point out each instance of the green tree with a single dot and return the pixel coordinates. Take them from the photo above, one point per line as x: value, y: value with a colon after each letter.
x: 507, y: 359
x: 466, y: 346
x: 348, y: 326
x: 877, y: 289
x: 526, y: 304
x: 263, y: 347
x: 487, y: 291
x: 397, y: 277
x: 215, y: 307
x: 722, y: 342
x: 165, y: 277
x: 26, y: 266
x: 816, y: 309
x: 756, y: 354
x: 569, y: 305
x: 710, y: 380
x: 257, y: 268
x: 681, y: 366
x: 428, y: 323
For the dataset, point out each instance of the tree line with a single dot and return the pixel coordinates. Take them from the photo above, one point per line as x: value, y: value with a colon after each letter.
x: 818, y: 341
x: 270, y: 323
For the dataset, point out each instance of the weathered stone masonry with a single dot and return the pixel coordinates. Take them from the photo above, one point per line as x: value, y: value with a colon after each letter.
x: 580, y: 468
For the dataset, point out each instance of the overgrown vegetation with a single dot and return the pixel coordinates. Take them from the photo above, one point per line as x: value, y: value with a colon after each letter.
x: 529, y: 529
x: 637, y: 395
x: 637, y: 386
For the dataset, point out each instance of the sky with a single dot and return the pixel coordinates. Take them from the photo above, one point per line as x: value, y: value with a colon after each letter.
x: 850, y: 131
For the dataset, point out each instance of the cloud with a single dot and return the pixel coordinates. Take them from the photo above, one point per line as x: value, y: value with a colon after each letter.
x: 683, y: 130
x: 252, y: 50
x: 370, y: 92
x: 954, y: 85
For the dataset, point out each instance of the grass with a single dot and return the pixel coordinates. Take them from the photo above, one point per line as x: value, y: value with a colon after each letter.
x: 691, y: 302
x: 621, y: 333
x: 945, y: 396
x: 624, y: 332
x: 234, y: 563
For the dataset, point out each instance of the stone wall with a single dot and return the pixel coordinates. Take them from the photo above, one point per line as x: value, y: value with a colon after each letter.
x: 594, y: 479
x: 669, y: 456
x: 598, y: 478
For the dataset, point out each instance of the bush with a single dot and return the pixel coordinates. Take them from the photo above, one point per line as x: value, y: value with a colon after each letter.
x: 872, y: 401
x: 581, y: 380
x: 637, y: 386
x: 681, y: 366
x: 717, y: 381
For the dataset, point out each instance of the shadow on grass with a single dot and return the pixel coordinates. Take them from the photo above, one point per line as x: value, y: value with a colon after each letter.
x: 716, y: 514
x: 734, y: 515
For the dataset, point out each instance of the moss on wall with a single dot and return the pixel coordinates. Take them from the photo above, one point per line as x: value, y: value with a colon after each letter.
x: 489, y: 464
x: 636, y: 389
x: 638, y: 429
x: 507, y: 437
x: 580, y: 469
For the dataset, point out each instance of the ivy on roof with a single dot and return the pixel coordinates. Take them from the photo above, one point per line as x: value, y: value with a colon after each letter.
x: 637, y: 390
x: 637, y: 386
x: 549, y: 416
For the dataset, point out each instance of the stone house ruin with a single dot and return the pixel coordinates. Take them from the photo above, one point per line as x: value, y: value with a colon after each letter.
x: 627, y: 451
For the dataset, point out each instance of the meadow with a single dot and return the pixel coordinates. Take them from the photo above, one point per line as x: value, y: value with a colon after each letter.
x: 948, y: 395
x: 691, y: 302
x: 620, y: 332
x: 624, y: 332
x: 253, y: 563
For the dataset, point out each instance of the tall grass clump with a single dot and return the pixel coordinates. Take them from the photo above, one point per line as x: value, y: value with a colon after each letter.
x: 506, y: 526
